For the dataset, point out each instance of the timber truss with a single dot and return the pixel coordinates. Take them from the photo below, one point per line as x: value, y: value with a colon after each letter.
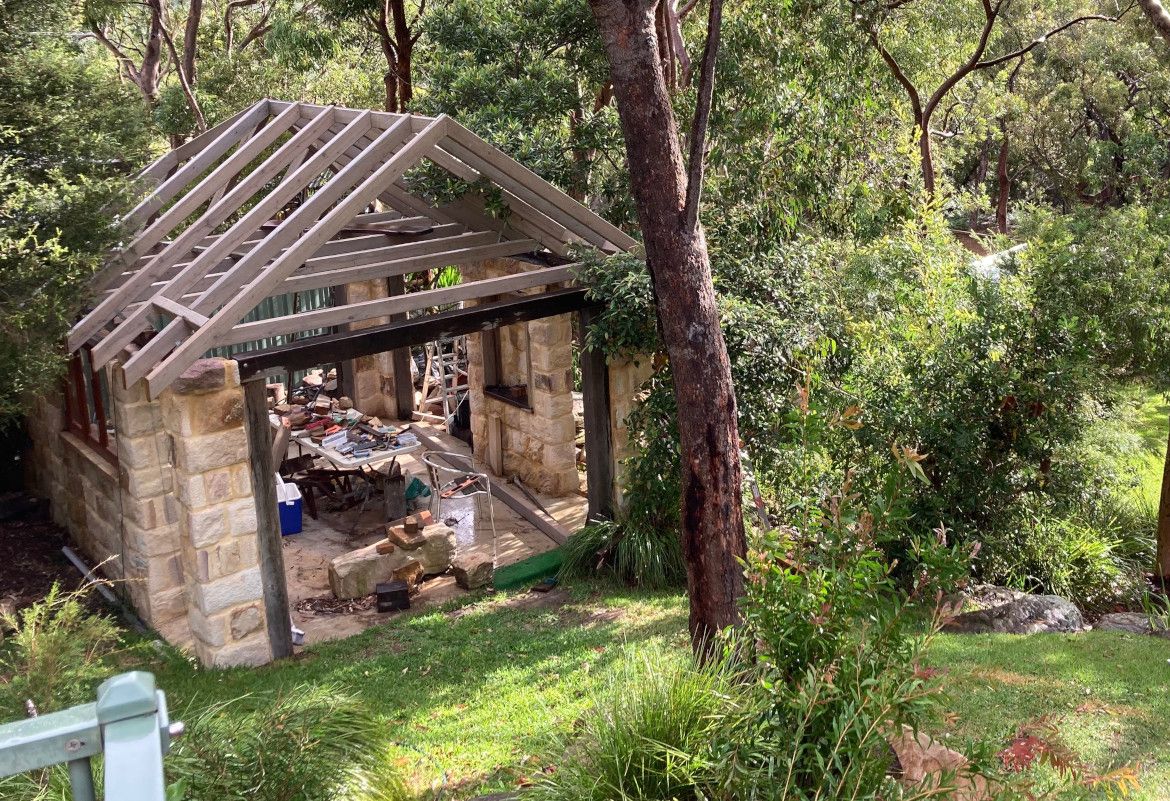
x: 287, y: 197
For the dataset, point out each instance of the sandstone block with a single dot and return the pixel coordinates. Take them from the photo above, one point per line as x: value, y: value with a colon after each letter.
x: 355, y: 574
x: 205, y: 375
x: 245, y: 621
x: 472, y: 571
x: 250, y: 652
x: 206, y: 526
x: 203, y: 452
x: 437, y: 551
x: 209, y: 629
x: 242, y: 516
x: 234, y: 590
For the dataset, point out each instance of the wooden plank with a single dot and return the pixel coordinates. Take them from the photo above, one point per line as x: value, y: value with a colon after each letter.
x: 598, y: 436
x: 551, y: 229
x: 154, y: 173
x: 384, y: 119
x: 400, y: 358
x: 305, y: 230
x: 194, y: 318
x: 405, y: 266
x: 243, y: 229
x: 471, y: 210
x: 329, y: 348
x: 382, y: 307
x: 259, y: 214
x: 271, y: 551
x: 205, y: 189
x: 546, y: 524
x: 323, y: 230
x: 512, y: 174
x: 195, y: 167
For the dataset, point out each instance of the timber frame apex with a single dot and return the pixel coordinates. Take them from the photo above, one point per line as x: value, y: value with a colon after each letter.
x: 285, y: 197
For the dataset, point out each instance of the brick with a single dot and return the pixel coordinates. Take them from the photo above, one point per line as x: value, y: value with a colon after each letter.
x: 235, y: 590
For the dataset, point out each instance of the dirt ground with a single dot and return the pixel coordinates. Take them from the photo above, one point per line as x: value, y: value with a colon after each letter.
x: 31, y: 558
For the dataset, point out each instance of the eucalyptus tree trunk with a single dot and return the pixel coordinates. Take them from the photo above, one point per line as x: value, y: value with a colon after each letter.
x: 1162, y: 568
x: 666, y: 196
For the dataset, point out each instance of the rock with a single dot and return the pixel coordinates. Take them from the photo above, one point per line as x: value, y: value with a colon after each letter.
x: 410, y: 574
x: 405, y: 540
x: 1133, y: 622
x: 205, y: 375
x: 344, y: 403
x: 355, y: 574
x: 980, y: 596
x: 437, y: 551
x: 472, y: 571
x: 1031, y: 614
x: 924, y: 763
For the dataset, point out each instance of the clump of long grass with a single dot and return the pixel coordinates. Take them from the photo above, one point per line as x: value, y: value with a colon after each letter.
x: 647, y: 736
x: 634, y: 554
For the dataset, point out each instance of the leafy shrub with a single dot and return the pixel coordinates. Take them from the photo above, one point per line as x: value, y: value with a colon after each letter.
x: 314, y: 742
x: 648, y: 557
x: 56, y: 654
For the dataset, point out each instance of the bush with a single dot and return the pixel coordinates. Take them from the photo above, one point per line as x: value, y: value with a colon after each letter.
x: 56, y: 654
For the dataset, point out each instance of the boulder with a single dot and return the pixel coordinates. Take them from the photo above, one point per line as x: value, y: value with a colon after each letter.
x: 437, y: 551
x: 472, y: 571
x: 1031, y: 614
x: 1132, y: 622
x: 355, y: 574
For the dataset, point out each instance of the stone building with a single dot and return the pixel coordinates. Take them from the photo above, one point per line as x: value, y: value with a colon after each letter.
x: 157, y: 458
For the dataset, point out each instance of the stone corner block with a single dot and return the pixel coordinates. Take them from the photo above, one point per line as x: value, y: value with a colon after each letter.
x: 205, y: 375
x: 237, y: 589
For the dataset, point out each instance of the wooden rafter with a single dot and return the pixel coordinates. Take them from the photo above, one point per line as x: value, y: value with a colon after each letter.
x: 287, y: 197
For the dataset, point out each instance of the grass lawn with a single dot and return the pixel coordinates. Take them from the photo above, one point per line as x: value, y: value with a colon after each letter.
x: 1145, y: 414
x: 475, y: 696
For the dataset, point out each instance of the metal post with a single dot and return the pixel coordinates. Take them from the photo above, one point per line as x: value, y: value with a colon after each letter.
x: 81, y: 780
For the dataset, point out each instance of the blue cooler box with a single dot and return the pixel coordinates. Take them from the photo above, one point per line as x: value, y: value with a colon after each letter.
x: 288, y: 502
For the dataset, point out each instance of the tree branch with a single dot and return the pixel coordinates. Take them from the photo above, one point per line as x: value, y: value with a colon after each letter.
x: 899, y: 76
x: 702, y: 118
x: 1042, y: 38
x: 1158, y: 16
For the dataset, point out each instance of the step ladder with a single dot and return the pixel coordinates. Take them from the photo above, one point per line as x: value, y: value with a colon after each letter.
x: 446, y: 374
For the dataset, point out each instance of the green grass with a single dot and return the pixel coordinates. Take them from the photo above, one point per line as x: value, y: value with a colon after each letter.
x: 1145, y: 414
x: 471, y: 699
x: 475, y: 698
x: 1107, y: 693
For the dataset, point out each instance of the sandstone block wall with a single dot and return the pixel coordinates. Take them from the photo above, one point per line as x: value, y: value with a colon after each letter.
x: 174, y: 517
x: 626, y: 377
x: 537, y: 443
x: 203, y: 417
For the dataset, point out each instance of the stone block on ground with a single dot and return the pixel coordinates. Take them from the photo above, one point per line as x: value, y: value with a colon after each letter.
x: 355, y: 574
x: 437, y: 551
x: 410, y: 574
x: 1132, y: 622
x: 925, y: 764
x: 1031, y: 614
x: 472, y: 571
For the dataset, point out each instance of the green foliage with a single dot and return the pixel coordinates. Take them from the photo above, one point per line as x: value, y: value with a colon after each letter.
x: 68, y: 132
x: 55, y: 654
x: 647, y: 736
x: 310, y: 742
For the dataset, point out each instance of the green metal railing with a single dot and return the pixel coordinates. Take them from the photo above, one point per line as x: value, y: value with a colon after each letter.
x: 128, y: 724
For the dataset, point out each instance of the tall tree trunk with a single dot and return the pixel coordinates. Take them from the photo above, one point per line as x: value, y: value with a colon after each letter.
x: 688, y: 317
x: 1162, y: 569
x: 404, y: 46
x: 191, y: 39
x: 1003, y: 182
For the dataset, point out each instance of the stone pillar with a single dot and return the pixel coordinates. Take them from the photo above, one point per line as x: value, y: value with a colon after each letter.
x: 151, y: 540
x: 203, y: 413
x: 373, y: 376
x: 626, y: 377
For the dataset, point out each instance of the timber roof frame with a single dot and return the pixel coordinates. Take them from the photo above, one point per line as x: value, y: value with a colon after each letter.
x: 275, y: 200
